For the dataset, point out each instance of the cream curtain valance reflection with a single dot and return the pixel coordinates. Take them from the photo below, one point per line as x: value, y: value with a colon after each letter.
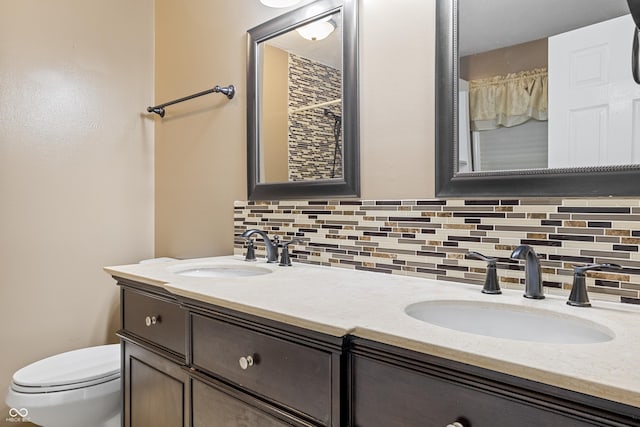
x: 508, y: 100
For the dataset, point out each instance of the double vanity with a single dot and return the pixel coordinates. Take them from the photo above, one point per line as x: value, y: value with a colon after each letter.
x: 221, y: 341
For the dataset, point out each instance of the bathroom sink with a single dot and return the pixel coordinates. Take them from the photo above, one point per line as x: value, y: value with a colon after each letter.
x: 211, y: 271
x: 509, y: 321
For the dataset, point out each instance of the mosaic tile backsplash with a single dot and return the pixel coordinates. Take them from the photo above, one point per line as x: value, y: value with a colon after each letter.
x: 313, y: 151
x: 429, y: 238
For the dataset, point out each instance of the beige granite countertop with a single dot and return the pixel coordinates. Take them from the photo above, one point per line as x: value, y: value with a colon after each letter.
x: 340, y: 301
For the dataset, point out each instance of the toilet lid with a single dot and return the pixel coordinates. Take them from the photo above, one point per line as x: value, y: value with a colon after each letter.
x: 86, y: 365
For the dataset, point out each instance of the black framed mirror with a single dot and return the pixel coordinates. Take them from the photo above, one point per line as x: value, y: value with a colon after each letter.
x: 565, y: 178
x: 302, y: 104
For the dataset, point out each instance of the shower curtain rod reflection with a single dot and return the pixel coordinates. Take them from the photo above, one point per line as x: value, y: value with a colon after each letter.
x: 310, y: 107
x: 230, y: 91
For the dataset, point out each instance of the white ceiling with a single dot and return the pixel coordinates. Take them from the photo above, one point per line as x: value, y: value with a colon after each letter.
x: 491, y: 24
x: 327, y: 51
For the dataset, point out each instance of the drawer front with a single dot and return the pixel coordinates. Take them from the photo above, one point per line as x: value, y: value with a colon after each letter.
x: 156, y: 320
x: 294, y: 375
x: 389, y: 396
x: 213, y: 408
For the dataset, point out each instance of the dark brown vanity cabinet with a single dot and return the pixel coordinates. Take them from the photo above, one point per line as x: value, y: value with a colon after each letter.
x: 393, y: 387
x: 187, y: 363
x: 191, y: 364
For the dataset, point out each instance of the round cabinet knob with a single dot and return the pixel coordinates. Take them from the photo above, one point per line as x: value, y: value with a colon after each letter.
x: 150, y: 320
x: 246, y: 362
x: 456, y: 424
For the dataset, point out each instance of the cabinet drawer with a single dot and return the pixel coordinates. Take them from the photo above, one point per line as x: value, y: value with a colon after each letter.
x: 213, y: 408
x: 154, y: 319
x: 291, y: 374
x: 387, y: 396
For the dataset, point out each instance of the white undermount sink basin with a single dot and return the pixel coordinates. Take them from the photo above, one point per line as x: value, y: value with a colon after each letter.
x: 509, y: 321
x: 210, y: 271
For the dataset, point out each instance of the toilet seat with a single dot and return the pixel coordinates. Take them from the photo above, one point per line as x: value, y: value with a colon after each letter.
x: 71, y: 370
x: 63, y: 387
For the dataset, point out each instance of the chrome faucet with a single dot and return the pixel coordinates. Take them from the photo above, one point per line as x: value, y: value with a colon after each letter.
x: 533, y: 277
x: 271, y: 246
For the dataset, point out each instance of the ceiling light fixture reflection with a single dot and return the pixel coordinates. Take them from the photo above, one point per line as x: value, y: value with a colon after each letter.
x: 317, y: 30
x: 280, y: 3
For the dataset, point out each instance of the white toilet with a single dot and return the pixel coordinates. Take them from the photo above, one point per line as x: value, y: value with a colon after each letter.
x: 80, y: 388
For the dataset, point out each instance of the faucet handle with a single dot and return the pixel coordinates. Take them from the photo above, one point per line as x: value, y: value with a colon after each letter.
x: 491, y: 283
x: 579, y: 296
x: 478, y: 255
x: 582, y: 269
x: 292, y: 241
x: 251, y: 251
x: 284, y: 258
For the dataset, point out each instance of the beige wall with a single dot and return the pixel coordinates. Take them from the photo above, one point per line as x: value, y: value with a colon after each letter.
x: 275, y: 115
x: 397, y: 98
x: 76, y: 170
x: 200, y: 144
x: 511, y: 59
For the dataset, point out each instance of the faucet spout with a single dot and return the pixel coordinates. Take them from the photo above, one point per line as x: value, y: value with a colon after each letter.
x: 533, y: 276
x: 272, y: 248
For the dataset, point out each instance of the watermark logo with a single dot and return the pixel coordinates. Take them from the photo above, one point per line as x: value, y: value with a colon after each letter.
x: 22, y: 412
x: 18, y: 415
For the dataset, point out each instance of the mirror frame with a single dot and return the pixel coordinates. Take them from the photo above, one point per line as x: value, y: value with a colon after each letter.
x: 567, y: 182
x: 349, y: 185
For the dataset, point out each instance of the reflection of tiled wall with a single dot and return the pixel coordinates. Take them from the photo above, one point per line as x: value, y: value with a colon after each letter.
x: 311, y: 137
x: 429, y: 238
